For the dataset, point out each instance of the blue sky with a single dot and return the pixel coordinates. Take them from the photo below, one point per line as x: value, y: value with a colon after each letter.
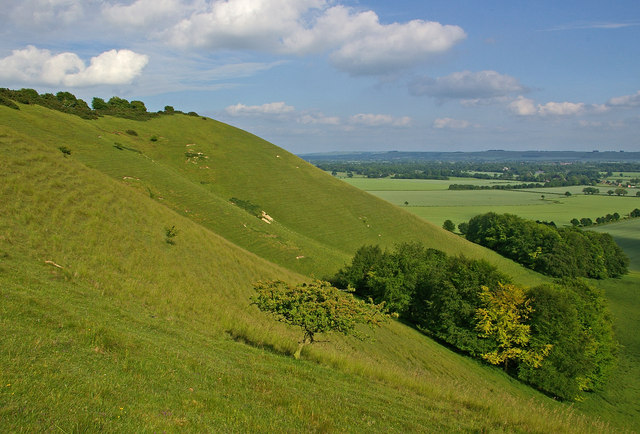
x: 330, y: 75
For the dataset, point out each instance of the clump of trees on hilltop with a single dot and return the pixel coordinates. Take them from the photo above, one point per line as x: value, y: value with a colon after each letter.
x: 556, y: 252
x: 68, y: 103
x: 557, y: 337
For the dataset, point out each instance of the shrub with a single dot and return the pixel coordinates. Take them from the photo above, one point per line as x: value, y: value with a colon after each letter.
x: 170, y: 234
x: 132, y: 132
x: 448, y: 225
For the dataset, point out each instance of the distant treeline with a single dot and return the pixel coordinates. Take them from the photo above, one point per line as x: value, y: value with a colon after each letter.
x: 494, y: 187
x: 67, y: 103
x: 557, y: 337
x: 537, y: 174
x: 586, y: 221
x: 557, y: 252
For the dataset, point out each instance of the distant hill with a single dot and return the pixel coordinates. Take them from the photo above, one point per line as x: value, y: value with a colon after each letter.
x: 493, y: 155
x: 106, y: 326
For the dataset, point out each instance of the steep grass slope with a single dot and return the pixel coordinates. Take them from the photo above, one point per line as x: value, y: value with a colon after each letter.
x: 197, y: 165
x: 104, y: 325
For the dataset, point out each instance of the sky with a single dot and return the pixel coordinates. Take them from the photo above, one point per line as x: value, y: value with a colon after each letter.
x: 349, y: 75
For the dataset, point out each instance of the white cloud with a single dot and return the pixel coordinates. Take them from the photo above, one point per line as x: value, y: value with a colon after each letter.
x: 358, y: 43
x: 371, y: 48
x: 268, y: 109
x: 36, y: 66
x: 527, y: 107
x: 376, y: 120
x: 143, y: 12
x: 523, y: 106
x: 561, y: 108
x: 626, y: 100
x: 449, y: 123
x: 467, y: 85
x: 318, y: 119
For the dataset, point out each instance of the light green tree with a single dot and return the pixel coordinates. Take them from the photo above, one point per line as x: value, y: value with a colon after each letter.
x: 503, y: 318
x: 316, y: 308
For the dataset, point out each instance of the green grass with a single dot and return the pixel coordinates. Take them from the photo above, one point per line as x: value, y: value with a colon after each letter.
x: 134, y: 334
x: 627, y: 235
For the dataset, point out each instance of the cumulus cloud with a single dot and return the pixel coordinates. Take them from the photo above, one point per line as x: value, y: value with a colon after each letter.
x: 523, y: 106
x: 376, y: 120
x: 452, y: 124
x: 358, y: 43
x: 467, y: 85
x: 371, y: 48
x: 527, y: 107
x: 625, y: 101
x: 268, y: 109
x: 37, y: 66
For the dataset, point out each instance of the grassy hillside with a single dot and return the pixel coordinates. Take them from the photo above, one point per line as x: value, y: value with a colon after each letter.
x: 319, y: 222
x: 104, y: 325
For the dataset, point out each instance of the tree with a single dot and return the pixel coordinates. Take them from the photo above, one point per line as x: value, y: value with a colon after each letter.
x: 573, y: 317
x: 463, y: 228
x: 586, y: 221
x: 99, y: 104
x: 590, y: 190
x: 449, y: 225
x: 575, y: 222
x: 620, y: 192
x: 567, y: 193
x: 316, y: 308
x: 610, y: 192
x: 503, y: 318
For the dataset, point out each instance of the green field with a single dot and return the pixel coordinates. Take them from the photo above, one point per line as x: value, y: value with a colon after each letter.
x: 431, y: 200
x: 104, y: 326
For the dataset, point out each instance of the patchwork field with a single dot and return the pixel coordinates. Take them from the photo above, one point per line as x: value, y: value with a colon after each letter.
x: 431, y: 200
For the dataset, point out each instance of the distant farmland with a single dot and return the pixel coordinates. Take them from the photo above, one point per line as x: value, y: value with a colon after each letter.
x: 431, y: 200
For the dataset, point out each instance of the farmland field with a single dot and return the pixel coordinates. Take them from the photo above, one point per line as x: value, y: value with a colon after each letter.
x: 431, y: 200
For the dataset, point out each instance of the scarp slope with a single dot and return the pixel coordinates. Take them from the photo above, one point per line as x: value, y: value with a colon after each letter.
x: 107, y: 326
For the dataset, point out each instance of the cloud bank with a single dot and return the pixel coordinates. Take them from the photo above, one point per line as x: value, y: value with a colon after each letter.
x: 356, y: 41
x: 39, y: 66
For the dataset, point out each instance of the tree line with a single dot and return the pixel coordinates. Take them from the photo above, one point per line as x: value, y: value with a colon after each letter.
x: 547, y: 174
x: 66, y: 102
x: 553, y: 251
x: 556, y: 337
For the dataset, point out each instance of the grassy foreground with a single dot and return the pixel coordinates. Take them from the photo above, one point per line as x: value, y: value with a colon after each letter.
x: 106, y: 326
